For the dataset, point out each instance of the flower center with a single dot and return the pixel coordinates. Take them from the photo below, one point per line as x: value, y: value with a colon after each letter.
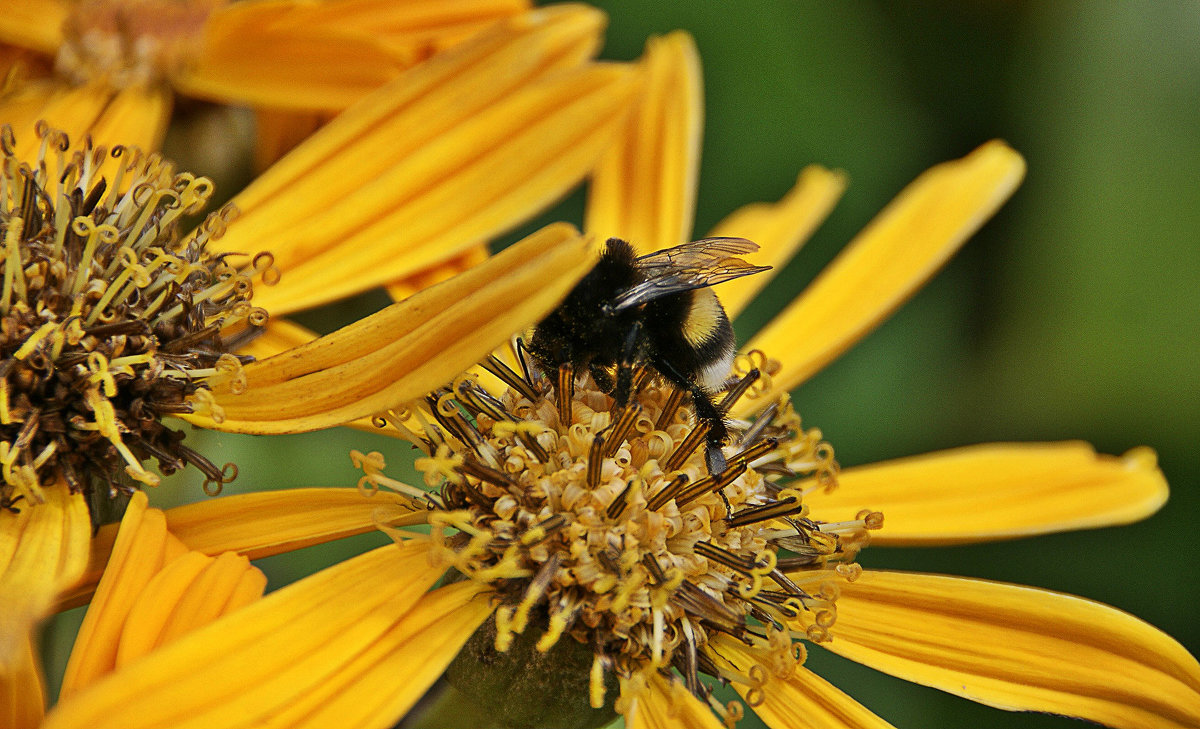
x: 602, y: 523
x: 129, y: 42
x: 109, y: 318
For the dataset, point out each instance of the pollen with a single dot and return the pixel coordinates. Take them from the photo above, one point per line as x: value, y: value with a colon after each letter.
x: 110, y: 318
x: 124, y: 43
x: 601, y: 524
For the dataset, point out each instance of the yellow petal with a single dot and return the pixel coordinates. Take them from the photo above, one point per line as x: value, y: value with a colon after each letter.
x: 43, y: 550
x: 132, y: 117
x: 409, y: 285
x: 247, y: 667
x: 1018, y: 648
x: 644, y: 187
x: 190, y: 592
x: 806, y: 701
x: 22, y: 691
x: 887, y: 262
x: 448, y: 155
x: 996, y: 491
x: 279, y: 335
x: 278, y: 131
x: 301, y: 55
x: 33, y: 24
x: 394, y: 673
x: 667, y: 705
x: 257, y: 524
x: 411, y: 347
x: 143, y: 545
x: 263, y: 523
x: 779, y: 229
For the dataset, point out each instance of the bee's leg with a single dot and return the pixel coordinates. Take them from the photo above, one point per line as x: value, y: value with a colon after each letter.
x: 706, y: 412
x: 604, y: 379
x: 629, y: 356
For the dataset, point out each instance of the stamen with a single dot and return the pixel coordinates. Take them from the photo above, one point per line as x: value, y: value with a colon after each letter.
x: 566, y: 392
x: 739, y: 388
x: 686, y: 447
x: 765, y: 512
x: 497, y: 367
x: 667, y: 415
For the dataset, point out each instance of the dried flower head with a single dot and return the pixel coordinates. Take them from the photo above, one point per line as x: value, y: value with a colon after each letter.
x: 110, y: 319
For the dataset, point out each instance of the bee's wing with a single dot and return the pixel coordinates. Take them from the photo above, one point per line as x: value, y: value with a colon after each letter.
x: 694, y: 265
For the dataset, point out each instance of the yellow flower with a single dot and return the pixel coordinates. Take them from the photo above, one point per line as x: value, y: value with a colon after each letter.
x: 156, y: 584
x: 134, y: 321
x: 110, y: 68
x: 671, y: 581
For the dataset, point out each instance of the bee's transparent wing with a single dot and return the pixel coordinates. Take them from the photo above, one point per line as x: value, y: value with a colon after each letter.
x: 694, y: 265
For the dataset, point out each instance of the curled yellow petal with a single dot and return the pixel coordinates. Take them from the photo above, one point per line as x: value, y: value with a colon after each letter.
x: 888, y: 261
x: 413, y: 346
x: 303, y: 55
x: 644, y: 187
x: 1018, y: 648
x: 245, y: 668
x: 779, y: 229
x: 142, y: 546
x: 43, y: 551
x: 996, y: 491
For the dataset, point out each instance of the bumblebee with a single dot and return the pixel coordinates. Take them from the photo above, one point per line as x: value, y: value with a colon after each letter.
x: 656, y: 310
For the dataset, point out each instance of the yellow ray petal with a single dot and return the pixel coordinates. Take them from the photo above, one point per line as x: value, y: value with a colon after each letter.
x: 33, y: 24
x: 132, y: 117
x: 135, y: 117
x: 390, y: 677
x: 22, y: 691
x: 996, y: 491
x: 807, y: 701
x: 143, y: 545
x: 1018, y: 648
x: 448, y: 155
x: 644, y: 187
x: 256, y: 525
x: 667, y: 705
x: 888, y: 261
x: 43, y: 550
x: 499, y: 168
x: 245, y: 668
x: 411, y: 347
x: 271, y: 522
x: 278, y: 131
x: 779, y: 229
x: 409, y: 285
x: 190, y: 592
x: 280, y: 335
x: 301, y: 55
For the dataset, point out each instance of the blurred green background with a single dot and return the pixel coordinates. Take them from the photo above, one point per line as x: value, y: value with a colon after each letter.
x: 1073, y: 314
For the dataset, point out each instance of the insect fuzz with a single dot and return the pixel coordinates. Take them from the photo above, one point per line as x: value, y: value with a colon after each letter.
x: 656, y: 310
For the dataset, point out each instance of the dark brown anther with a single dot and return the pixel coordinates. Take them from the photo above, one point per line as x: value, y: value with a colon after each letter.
x: 706, y: 607
x: 475, y: 469
x: 686, y: 447
x: 756, y: 451
x: 617, y: 507
x: 739, y: 388
x: 595, y: 461
x: 654, y: 568
x: 710, y: 484
x: 615, y: 434
x: 566, y: 393
x: 667, y: 415
x: 668, y: 492
x: 506, y: 374
x: 733, y: 561
x: 774, y: 510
